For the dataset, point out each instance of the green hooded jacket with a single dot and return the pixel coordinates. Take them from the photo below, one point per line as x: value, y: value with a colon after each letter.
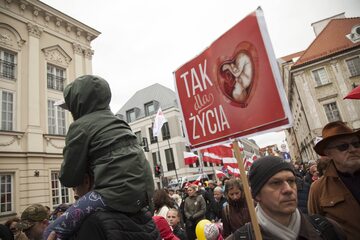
x: 100, y: 143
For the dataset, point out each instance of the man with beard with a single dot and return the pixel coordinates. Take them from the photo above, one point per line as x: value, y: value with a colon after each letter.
x: 273, y: 186
x: 236, y: 213
x: 33, y: 221
x: 336, y: 195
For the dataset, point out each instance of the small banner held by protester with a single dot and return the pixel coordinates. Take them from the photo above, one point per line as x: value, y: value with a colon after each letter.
x: 233, y: 88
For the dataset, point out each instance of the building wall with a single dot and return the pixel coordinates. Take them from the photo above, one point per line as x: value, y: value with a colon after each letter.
x: 307, y: 101
x: 37, y: 35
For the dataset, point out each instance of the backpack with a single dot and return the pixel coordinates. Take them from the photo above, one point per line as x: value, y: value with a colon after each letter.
x: 321, y: 224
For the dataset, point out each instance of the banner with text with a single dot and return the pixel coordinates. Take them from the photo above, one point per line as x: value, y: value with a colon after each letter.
x: 233, y: 88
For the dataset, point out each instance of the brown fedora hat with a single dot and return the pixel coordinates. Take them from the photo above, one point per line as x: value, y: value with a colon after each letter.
x: 332, y: 131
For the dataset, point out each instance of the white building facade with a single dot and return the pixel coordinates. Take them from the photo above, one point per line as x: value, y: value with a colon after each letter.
x: 41, y: 51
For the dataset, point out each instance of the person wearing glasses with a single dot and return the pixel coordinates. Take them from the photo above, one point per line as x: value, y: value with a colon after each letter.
x: 336, y: 195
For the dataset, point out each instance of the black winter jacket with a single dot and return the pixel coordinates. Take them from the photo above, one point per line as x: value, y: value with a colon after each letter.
x: 111, y: 225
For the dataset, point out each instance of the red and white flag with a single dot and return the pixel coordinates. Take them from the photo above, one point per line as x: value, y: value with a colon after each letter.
x: 219, y: 174
x: 190, y: 158
x: 233, y: 171
x: 216, y: 154
x: 159, y: 122
x: 247, y: 163
x: 197, y: 181
x: 230, y: 161
x: 211, y: 157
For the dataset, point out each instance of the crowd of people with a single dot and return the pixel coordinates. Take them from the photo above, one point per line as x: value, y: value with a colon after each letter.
x: 115, y: 197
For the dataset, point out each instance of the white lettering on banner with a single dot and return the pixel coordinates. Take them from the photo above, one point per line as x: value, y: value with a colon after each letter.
x: 201, y: 103
x: 196, y: 84
x: 212, y: 121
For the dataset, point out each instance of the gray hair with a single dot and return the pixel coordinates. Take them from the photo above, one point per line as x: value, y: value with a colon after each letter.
x: 218, y: 189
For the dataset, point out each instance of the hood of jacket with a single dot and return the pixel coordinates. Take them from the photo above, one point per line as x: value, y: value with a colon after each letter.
x: 87, y: 94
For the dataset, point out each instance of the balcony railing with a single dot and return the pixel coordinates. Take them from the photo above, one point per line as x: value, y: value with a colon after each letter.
x: 7, y: 70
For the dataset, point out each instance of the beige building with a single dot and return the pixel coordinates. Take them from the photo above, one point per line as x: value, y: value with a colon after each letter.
x: 317, y: 80
x: 41, y: 51
x: 167, y: 151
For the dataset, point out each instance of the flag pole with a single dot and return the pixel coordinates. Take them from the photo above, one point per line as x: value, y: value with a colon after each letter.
x: 249, y: 200
x: 161, y: 168
x: 177, y: 179
x: 201, y: 163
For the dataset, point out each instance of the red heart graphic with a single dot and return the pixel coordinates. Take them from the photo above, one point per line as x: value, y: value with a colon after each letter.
x: 237, y: 75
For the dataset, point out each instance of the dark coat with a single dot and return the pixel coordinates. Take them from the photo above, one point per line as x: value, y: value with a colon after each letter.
x: 100, y: 141
x: 215, y: 209
x: 179, y: 232
x: 234, y: 217
x: 110, y: 225
x: 302, y: 194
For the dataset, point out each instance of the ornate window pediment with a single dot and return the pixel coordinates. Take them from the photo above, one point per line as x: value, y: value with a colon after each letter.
x: 10, y: 38
x: 57, y: 55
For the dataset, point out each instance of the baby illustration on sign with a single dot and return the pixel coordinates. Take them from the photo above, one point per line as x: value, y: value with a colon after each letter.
x: 237, y: 75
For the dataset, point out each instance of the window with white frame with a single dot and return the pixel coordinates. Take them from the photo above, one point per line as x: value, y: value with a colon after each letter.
x: 130, y: 115
x: 7, y: 64
x: 149, y: 108
x: 332, y: 112
x: 353, y: 65
x: 55, y: 77
x: 56, y: 119
x: 7, y: 110
x: 6, y: 193
x: 59, y: 193
x: 320, y: 76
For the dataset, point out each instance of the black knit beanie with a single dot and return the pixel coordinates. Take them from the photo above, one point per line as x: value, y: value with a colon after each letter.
x: 263, y: 169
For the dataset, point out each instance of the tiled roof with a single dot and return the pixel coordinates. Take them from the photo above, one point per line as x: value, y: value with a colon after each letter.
x: 330, y: 41
x: 156, y: 92
x: 291, y: 56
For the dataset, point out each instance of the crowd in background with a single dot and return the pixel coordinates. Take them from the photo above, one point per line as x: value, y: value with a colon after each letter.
x: 177, y: 211
x: 115, y: 197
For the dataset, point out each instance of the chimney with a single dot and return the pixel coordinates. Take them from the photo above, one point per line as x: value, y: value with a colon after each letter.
x: 321, y: 24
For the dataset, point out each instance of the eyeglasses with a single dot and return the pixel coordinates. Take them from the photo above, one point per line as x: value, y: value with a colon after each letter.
x: 345, y: 146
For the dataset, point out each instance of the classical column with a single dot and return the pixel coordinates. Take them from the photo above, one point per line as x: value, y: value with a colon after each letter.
x: 34, y: 131
x: 88, y: 56
x: 78, y: 56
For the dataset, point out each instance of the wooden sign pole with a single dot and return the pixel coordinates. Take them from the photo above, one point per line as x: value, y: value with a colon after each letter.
x: 248, y: 197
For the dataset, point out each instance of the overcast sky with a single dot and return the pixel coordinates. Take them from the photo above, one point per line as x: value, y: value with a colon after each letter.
x: 143, y: 42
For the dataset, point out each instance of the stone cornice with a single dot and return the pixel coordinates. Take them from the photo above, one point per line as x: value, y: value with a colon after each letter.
x: 332, y: 96
x: 44, y: 14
